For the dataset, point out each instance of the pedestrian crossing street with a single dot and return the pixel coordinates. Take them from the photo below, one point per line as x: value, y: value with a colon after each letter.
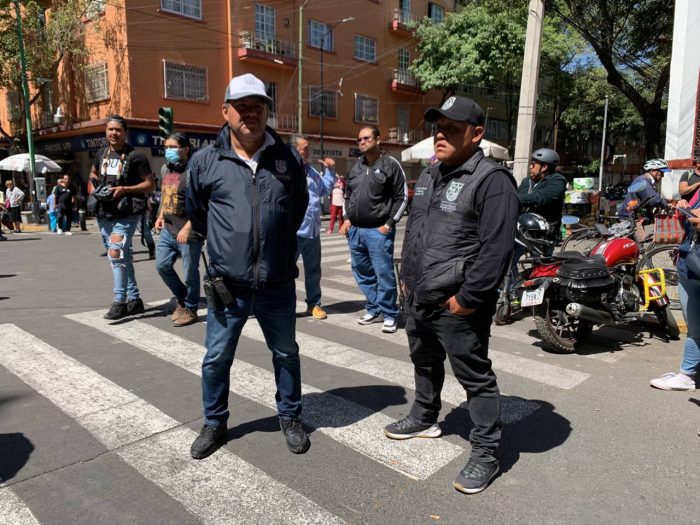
x: 156, y: 445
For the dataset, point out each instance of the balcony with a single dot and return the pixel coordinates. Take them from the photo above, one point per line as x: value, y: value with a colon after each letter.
x: 283, y: 122
x: 401, y: 22
x: 266, y: 50
x: 406, y: 136
x: 403, y: 81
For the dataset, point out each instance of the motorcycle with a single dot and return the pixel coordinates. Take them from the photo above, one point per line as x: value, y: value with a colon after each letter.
x: 607, y: 287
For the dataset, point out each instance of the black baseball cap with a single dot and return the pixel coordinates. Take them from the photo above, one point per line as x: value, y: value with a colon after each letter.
x: 460, y: 109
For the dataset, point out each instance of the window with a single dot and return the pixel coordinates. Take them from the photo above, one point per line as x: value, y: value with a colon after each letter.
x: 189, y: 8
x: 327, y: 99
x: 96, y: 82
x: 436, y: 13
x: 496, y: 129
x: 402, y: 120
x: 13, y: 106
x: 366, y: 109
x: 185, y: 82
x: 265, y: 22
x: 365, y: 48
x: 316, y: 32
x: 404, y: 59
x: 405, y: 11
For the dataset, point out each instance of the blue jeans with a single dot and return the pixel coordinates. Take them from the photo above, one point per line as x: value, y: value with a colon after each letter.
x: 275, y: 312
x: 310, y: 250
x: 125, y: 287
x: 167, y: 252
x: 372, y: 255
x: 690, y: 303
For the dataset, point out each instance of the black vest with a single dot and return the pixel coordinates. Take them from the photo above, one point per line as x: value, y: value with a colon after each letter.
x: 442, y: 241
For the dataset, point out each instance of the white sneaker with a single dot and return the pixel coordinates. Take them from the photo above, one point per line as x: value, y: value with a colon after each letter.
x: 673, y: 381
x: 349, y: 260
x: 389, y: 326
x: 69, y: 233
x: 59, y: 232
x: 369, y: 319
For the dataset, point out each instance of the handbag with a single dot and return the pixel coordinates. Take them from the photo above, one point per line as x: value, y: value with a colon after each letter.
x: 668, y: 229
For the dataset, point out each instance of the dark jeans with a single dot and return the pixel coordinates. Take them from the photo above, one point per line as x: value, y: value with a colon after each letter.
x: 275, y: 312
x: 167, y: 252
x: 435, y: 334
x: 64, y: 218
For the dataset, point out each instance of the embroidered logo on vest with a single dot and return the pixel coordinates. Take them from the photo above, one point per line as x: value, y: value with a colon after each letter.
x: 453, y: 190
x: 281, y: 166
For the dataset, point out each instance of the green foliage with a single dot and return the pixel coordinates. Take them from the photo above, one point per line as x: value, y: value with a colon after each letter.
x: 48, y: 37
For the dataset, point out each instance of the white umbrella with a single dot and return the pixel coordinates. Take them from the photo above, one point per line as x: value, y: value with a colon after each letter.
x: 424, y: 150
x: 20, y: 162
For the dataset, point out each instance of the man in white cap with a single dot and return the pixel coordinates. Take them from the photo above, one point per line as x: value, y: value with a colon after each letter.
x: 247, y: 195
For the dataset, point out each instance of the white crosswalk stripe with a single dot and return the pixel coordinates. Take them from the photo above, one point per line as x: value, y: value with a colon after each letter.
x: 13, y: 511
x: 546, y: 373
x: 353, y: 425
x: 151, y: 442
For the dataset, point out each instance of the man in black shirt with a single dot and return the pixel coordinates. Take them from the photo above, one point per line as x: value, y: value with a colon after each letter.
x: 127, y: 176
x: 64, y: 205
x: 458, y: 243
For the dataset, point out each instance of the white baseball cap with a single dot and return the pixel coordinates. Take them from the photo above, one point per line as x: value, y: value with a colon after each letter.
x: 245, y: 86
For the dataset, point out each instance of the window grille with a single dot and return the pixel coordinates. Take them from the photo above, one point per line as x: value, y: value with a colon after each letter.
x: 185, y: 82
x: 404, y: 59
x: 189, y: 8
x: 328, y: 99
x: 96, y: 82
x: 366, y: 109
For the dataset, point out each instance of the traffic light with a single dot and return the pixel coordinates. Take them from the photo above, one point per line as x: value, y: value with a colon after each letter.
x: 165, y: 121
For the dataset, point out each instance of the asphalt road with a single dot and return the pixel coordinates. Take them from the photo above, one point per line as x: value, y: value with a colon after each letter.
x: 96, y: 419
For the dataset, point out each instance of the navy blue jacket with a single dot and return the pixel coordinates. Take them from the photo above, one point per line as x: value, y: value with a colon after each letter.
x: 250, y: 219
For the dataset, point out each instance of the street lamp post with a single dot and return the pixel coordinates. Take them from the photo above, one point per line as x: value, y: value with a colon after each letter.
x: 323, y: 43
x: 27, y: 115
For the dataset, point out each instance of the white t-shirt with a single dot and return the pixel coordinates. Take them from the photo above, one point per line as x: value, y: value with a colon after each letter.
x: 15, y: 196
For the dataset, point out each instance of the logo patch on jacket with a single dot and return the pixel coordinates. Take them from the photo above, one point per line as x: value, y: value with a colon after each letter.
x: 281, y: 166
x: 453, y: 190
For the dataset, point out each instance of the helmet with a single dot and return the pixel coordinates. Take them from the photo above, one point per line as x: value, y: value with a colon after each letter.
x: 533, y: 232
x: 546, y: 156
x: 102, y: 192
x: 656, y: 164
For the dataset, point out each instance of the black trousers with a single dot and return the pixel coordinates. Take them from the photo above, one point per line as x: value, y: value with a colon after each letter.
x: 64, y: 218
x: 434, y: 334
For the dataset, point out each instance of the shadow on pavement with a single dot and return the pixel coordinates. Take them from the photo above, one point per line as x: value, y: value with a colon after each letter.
x: 8, y: 275
x: 537, y: 431
x: 16, y: 450
x: 13, y: 239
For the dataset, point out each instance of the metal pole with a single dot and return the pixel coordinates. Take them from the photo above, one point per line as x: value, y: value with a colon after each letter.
x: 27, y: 115
x: 323, y: 43
x: 602, y: 146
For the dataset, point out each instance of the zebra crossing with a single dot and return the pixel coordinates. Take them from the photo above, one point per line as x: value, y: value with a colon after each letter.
x: 156, y: 445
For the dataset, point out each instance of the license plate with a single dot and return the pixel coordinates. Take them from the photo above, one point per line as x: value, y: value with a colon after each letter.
x: 533, y: 297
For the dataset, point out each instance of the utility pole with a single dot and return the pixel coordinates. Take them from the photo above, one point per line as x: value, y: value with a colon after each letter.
x: 27, y: 114
x: 300, y: 66
x: 528, y: 90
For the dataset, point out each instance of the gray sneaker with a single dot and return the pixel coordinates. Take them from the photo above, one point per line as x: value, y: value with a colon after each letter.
x: 476, y: 476
x: 408, y: 428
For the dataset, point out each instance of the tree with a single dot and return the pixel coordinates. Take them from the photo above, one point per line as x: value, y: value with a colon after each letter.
x: 632, y: 40
x: 49, y: 36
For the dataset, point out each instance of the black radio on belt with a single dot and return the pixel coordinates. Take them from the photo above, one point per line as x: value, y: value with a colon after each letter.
x: 217, y: 293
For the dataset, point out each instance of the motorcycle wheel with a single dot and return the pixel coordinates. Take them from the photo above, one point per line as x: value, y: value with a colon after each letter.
x: 561, y: 332
x: 668, y: 323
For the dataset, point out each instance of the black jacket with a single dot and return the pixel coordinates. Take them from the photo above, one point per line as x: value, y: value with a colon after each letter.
x: 375, y: 195
x: 460, y: 233
x: 545, y: 197
x: 250, y: 219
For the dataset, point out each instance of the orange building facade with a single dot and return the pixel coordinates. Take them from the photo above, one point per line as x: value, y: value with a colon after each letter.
x: 144, y: 55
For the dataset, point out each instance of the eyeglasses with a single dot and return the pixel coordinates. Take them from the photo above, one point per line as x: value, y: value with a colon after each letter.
x: 368, y: 138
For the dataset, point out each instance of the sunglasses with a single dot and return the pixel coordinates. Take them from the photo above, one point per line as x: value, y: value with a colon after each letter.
x: 368, y: 138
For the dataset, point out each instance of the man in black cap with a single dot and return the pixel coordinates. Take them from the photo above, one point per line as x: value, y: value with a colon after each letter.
x: 457, y: 248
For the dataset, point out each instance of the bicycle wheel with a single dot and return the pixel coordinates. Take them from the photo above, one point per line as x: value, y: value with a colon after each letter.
x: 581, y: 241
x: 661, y: 256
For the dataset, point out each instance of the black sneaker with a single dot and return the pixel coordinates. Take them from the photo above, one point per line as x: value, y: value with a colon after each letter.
x: 117, y: 311
x: 475, y: 476
x: 135, y: 306
x: 408, y: 427
x: 297, y: 439
x: 210, y: 438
